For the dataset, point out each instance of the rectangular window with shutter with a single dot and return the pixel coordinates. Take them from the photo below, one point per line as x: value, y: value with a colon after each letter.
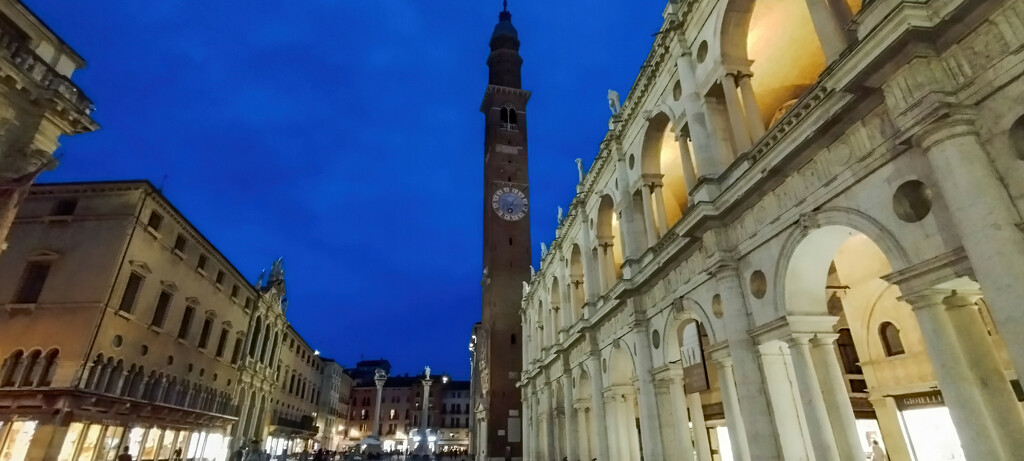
x: 32, y: 281
x: 186, y: 322
x: 131, y: 292
x: 160, y: 312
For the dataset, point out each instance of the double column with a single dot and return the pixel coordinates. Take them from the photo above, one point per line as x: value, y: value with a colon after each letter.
x: 599, y: 431
x: 654, y: 213
x: 680, y: 445
x: 982, y: 404
x: 647, y: 396
x: 984, y: 217
x: 744, y: 114
x: 830, y: 18
x: 830, y: 420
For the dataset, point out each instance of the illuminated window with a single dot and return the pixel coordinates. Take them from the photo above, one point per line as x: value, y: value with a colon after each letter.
x: 891, y: 341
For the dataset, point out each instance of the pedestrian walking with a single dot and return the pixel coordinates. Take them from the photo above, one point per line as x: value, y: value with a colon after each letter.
x: 124, y: 456
x: 877, y: 452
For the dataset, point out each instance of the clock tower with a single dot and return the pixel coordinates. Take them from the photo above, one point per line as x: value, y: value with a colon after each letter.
x: 506, y: 255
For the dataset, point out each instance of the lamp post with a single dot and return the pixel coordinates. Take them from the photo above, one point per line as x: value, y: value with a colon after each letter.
x: 379, y: 377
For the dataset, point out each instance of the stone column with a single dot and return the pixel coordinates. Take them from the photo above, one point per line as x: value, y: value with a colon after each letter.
x: 606, y: 254
x: 659, y: 207
x: 681, y: 418
x: 733, y: 415
x: 758, y: 431
x: 527, y: 423
x: 550, y: 449
x: 424, y: 446
x: 568, y: 310
x: 689, y: 172
x: 784, y: 401
x: 986, y: 372
x: 740, y: 134
x: 837, y: 398
x: 818, y: 424
x: 651, y: 226
x: 750, y: 107
x: 600, y: 429
x: 591, y: 269
x: 962, y: 397
x: 705, y: 151
x: 831, y: 32
x: 891, y: 427
x: 700, y: 428
x: 583, y: 435
x: 647, y: 396
x: 986, y: 220
x: 571, y: 450
x: 379, y: 379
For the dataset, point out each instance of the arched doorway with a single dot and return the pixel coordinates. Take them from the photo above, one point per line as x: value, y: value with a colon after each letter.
x: 878, y: 366
x: 621, y: 409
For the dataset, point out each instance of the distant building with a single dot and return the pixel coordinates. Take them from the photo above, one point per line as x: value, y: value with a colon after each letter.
x: 333, y: 408
x: 364, y: 370
x: 401, y: 409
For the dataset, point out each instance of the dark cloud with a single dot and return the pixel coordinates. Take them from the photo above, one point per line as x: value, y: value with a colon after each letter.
x: 345, y: 136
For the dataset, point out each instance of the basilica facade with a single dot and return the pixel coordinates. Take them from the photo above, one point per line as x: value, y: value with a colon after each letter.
x: 801, y: 237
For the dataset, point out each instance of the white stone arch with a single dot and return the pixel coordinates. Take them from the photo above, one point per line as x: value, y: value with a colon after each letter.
x: 621, y: 364
x: 817, y: 236
x: 683, y: 311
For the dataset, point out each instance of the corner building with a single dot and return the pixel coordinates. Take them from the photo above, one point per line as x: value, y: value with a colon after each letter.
x: 801, y: 235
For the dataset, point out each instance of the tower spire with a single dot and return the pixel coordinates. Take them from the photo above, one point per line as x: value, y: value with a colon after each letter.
x: 504, y: 4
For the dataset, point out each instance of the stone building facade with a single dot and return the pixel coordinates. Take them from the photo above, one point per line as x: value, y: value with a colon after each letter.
x: 121, y: 325
x: 38, y: 103
x: 333, y: 406
x: 801, y: 235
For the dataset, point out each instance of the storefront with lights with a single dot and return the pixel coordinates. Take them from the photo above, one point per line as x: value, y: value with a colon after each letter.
x: 71, y: 425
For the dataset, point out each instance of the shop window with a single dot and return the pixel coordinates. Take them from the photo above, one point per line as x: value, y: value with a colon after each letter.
x: 64, y: 207
x: 155, y: 220
x: 186, y: 322
x: 891, y: 342
x: 32, y: 281
x: 131, y: 292
x: 160, y: 312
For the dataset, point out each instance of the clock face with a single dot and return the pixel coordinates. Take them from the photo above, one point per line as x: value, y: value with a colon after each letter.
x: 510, y: 203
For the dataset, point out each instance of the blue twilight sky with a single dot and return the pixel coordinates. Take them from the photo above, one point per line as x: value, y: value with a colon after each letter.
x: 345, y: 136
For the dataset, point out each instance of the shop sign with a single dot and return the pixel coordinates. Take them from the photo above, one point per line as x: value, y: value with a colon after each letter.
x: 930, y: 399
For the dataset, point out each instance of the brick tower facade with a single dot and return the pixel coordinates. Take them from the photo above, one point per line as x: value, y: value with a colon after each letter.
x: 506, y: 253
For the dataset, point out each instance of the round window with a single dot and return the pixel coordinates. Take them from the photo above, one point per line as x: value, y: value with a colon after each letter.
x: 716, y: 306
x: 656, y: 339
x: 117, y: 341
x: 143, y: 350
x: 677, y: 91
x: 702, y: 52
x: 758, y: 284
x: 912, y: 201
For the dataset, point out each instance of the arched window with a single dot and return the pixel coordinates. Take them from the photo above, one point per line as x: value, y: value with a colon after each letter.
x: 513, y: 118
x: 504, y: 116
x: 891, y: 341
x: 49, y: 367
x: 27, y: 372
x: 10, y: 368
